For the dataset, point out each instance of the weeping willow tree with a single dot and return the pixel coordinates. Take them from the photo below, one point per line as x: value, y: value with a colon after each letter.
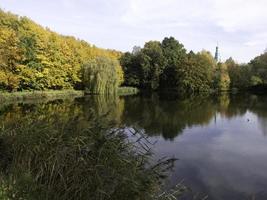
x: 100, y: 76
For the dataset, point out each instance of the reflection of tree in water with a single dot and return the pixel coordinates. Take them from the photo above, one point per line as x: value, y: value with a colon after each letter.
x: 231, y: 106
x: 167, y: 118
x: 259, y: 107
x: 239, y: 104
x: 110, y: 105
x: 63, y: 156
x: 263, y: 124
x: 47, y: 147
x: 157, y: 116
x: 170, y: 117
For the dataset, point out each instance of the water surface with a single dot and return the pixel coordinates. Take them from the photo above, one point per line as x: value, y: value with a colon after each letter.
x: 220, y: 142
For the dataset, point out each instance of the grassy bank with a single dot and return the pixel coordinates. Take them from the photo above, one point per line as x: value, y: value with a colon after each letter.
x: 35, y: 95
x: 122, y: 91
x: 54, y: 94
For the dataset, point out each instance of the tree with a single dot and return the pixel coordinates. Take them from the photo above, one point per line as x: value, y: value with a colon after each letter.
x: 100, y: 76
x: 259, y: 69
x: 131, y: 68
x: 196, y: 74
x: 222, y: 79
x: 167, y: 65
x: 240, y: 75
x: 174, y: 54
x: 35, y: 58
x: 10, y: 58
x: 153, y: 64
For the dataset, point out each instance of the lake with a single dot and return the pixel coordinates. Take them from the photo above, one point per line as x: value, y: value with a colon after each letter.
x: 220, y: 142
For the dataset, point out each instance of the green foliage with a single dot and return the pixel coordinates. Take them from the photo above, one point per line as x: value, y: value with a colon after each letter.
x: 35, y: 58
x: 144, y: 66
x: 246, y: 76
x: 222, y: 79
x: 166, y: 65
x: 152, y: 65
x: 255, y: 80
x: 3, y: 191
x: 239, y: 74
x: 132, y: 69
x: 100, y: 76
x: 175, y: 55
x: 196, y: 73
x: 259, y: 70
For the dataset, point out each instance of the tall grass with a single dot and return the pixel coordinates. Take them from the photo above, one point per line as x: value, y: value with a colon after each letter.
x: 50, y: 159
x: 52, y: 94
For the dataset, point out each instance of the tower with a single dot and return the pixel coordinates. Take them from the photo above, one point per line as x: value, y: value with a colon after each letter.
x: 216, y: 57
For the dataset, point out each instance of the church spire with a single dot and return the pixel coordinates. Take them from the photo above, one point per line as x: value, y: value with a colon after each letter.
x: 216, y: 57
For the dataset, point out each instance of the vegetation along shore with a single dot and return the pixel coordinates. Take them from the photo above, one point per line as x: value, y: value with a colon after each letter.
x: 101, y: 147
x: 33, y: 58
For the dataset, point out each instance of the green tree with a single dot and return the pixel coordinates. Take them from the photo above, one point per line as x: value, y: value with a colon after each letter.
x: 175, y: 54
x: 259, y: 69
x: 153, y: 64
x: 222, y: 79
x: 132, y: 72
x: 240, y: 75
x: 166, y: 65
x: 100, y: 76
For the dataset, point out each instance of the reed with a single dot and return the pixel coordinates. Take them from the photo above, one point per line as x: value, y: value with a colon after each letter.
x: 53, y: 159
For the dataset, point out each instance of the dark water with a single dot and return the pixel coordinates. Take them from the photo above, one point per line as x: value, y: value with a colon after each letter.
x: 221, y: 142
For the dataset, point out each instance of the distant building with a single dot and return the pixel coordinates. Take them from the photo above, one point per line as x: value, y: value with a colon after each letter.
x: 216, y: 57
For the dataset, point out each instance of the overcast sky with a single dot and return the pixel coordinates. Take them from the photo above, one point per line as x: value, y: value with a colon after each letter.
x: 239, y: 26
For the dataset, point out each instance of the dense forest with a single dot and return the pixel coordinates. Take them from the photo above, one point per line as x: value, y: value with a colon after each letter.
x: 36, y: 58
x: 167, y: 65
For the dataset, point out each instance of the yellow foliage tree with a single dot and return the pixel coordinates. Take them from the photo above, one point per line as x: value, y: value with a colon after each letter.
x: 35, y: 58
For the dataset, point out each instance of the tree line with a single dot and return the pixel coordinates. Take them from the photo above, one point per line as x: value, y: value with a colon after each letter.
x: 252, y: 75
x: 166, y: 65
x: 36, y: 58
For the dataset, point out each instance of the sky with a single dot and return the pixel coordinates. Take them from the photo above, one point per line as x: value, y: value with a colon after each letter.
x: 238, y: 26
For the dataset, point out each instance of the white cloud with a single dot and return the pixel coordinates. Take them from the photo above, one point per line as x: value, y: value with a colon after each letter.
x: 237, y: 15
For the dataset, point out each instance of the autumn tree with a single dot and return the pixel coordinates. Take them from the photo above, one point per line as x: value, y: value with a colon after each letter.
x: 36, y: 58
x: 10, y: 59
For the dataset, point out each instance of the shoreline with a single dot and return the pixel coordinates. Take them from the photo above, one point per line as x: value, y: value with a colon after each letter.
x: 10, y: 97
x: 37, y: 95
